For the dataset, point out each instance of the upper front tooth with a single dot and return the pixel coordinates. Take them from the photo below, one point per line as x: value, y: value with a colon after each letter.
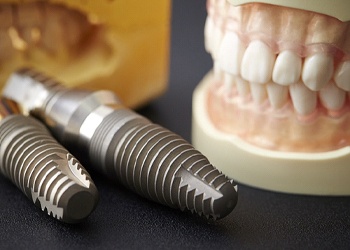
x: 304, y: 100
x: 257, y: 63
x: 317, y: 71
x: 231, y: 53
x: 208, y: 34
x: 332, y: 97
x: 342, y: 75
x: 217, y: 38
x: 278, y: 95
x: 287, y: 68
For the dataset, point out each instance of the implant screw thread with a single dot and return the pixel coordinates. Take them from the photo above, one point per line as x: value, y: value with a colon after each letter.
x: 160, y: 165
x: 43, y: 169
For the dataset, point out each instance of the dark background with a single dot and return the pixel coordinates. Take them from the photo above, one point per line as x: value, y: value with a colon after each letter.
x: 261, y: 220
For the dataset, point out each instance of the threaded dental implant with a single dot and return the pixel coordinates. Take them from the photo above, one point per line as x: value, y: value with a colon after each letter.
x: 145, y: 157
x: 45, y: 171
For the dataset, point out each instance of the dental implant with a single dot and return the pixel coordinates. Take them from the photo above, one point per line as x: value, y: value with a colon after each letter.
x: 45, y: 171
x: 145, y: 157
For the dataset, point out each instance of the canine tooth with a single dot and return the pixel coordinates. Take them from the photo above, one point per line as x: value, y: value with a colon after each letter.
x: 278, y: 95
x: 317, y: 71
x: 332, y: 97
x: 231, y: 53
x: 257, y: 63
x: 304, y: 99
x: 342, y: 75
x: 258, y: 92
x: 242, y: 87
x: 208, y: 34
x: 287, y: 68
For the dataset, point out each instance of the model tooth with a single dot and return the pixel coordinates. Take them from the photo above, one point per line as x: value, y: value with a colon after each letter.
x: 229, y: 81
x: 317, y: 71
x: 217, y: 38
x: 278, y: 95
x: 231, y: 53
x: 257, y: 63
x: 242, y: 87
x: 342, y: 75
x: 304, y: 100
x: 218, y: 73
x: 208, y: 34
x: 332, y: 97
x: 287, y: 68
x: 258, y: 92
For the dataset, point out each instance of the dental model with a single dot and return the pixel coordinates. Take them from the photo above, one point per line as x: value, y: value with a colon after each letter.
x: 91, y: 44
x: 275, y: 110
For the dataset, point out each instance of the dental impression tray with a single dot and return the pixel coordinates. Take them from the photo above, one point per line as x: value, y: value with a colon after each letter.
x: 274, y: 113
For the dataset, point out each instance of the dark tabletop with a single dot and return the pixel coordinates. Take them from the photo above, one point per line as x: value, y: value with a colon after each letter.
x: 261, y: 220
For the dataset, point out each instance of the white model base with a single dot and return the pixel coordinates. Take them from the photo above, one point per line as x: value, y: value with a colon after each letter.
x: 300, y: 173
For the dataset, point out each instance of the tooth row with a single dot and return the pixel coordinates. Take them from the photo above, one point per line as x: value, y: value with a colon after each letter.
x: 304, y: 100
x: 256, y: 60
x: 258, y: 63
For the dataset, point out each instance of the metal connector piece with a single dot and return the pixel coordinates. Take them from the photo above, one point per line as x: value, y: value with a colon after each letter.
x: 45, y: 171
x: 125, y: 146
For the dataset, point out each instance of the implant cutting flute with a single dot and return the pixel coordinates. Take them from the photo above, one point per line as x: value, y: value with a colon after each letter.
x: 125, y: 146
x: 45, y: 171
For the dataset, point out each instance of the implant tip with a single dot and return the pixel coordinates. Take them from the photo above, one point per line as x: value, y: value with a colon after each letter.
x: 224, y: 205
x: 78, y: 203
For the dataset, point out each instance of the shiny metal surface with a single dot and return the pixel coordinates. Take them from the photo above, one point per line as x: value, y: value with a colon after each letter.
x: 127, y: 147
x: 45, y: 171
